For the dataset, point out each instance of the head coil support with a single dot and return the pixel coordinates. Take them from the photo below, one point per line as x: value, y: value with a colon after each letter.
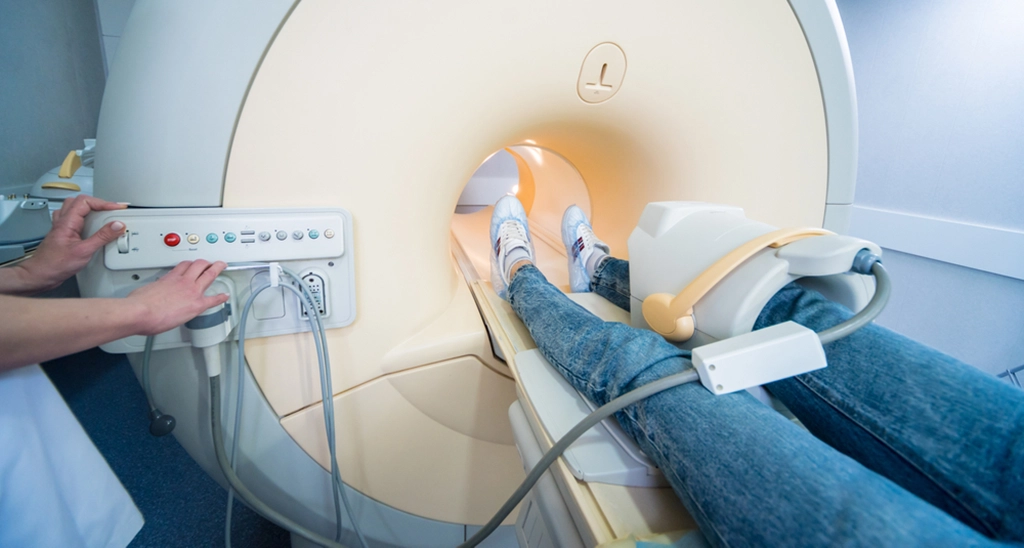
x: 671, y: 316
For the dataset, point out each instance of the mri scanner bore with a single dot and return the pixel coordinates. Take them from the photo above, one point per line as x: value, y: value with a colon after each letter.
x: 333, y: 139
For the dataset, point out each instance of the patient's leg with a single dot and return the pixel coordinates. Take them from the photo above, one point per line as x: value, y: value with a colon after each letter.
x: 611, y: 281
x: 746, y: 474
x: 945, y: 431
x: 940, y: 428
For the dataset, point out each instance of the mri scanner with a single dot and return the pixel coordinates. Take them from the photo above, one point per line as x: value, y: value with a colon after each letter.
x: 336, y: 137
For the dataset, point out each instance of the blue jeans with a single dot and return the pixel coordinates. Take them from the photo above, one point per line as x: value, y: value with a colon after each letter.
x: 909, y: 446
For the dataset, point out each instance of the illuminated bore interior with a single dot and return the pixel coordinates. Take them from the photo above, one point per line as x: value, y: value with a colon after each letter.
x: 546, y: 184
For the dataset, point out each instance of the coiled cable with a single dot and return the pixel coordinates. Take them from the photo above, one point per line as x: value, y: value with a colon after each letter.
x: 883, y: 288
x: 337, y: 485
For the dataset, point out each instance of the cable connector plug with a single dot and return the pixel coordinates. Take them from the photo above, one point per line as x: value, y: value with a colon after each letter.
x: 275, y: 274
x: 864, y: 261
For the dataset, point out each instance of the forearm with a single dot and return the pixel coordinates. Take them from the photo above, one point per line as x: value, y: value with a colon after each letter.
x: 18, y: 280
x: 36, y: 330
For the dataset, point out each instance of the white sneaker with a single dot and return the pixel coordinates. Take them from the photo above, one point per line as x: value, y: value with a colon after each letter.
x: 583, y: 249
x: 510, y: 240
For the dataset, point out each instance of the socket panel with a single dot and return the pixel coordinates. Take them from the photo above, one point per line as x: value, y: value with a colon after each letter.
x: 317, y: 283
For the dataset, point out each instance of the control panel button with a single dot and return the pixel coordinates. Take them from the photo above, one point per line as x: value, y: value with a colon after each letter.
x: 297, y: 234
x: 282, y: 235
x: 314, y: 234
x: 172, y: 240
x: 230, y: 237
x: 193, y: 238
x: 264, y: 236
x: 328, y: 233
x: 122, y: 242
x: 248, y: 240
x: 248, y: 232
x: 211, y: 238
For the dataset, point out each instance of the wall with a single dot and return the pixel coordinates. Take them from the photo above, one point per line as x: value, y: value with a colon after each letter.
x: 113, y: 16
x: 496, y: 177
x: 940, y: 89
x: 51, y: 83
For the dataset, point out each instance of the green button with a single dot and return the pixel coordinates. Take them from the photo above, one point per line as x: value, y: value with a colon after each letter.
x: 314, y: 234
x: 211, y: 237
x: 229, y: 237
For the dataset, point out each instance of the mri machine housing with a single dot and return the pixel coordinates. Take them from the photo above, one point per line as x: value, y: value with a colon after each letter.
x: 385, y: 110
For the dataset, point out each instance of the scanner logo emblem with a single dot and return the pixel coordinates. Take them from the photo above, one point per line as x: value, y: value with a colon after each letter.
x: 602, y: 73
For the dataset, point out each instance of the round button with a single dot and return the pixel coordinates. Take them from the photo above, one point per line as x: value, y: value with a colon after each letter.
x: 329, y: 233
x: 211, y: 238
x: 229, y: 237
x: 314, y: 234
x: 172, y: 239
x: 297, y: 234
x: 282, y: 235
x: 193, y: 238
x: 264, y: 236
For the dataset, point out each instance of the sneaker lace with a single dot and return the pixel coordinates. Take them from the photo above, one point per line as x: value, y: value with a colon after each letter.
x: 511, y: 232
x: 588, y: 237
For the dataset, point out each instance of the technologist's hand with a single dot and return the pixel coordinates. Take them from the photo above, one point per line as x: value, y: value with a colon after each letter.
x: 177, y: 297
x: 64, y: 252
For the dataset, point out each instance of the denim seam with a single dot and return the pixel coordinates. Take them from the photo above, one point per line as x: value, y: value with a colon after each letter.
x: 597, y: 281
x: 565, y: 371
x: 900, y: 454
x: 594, y: 280
x: 662, y: 457
x: 551, y: 359
x: 616, y: 289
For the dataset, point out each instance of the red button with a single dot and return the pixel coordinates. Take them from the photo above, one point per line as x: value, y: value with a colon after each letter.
x: 172, y: 239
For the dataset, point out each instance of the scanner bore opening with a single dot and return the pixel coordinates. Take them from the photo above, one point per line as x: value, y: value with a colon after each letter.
x: 545, y: 182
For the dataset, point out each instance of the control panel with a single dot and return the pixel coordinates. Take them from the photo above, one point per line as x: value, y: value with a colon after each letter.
x: 230, y: 235
x: 314, y: 243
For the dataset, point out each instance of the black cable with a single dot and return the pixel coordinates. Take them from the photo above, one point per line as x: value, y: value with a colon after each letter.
x: 159, y: 423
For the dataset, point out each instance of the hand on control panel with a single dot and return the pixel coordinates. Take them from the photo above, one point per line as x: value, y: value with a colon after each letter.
x: 63, y: 252
x: 177, y: 296
x: 172, y: 300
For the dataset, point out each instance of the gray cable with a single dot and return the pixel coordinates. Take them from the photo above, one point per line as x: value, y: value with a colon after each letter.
x: 599, y: 414
x: 319, y: 339
x: 239, y: 401
x: 236, y: 484
x: 238, y: 409
x: 883, y: 288
x: 318, y: 342
x: 328, y: 405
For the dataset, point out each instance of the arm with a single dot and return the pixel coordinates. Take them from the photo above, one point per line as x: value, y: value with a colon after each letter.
x: 63, y: 252
x: 35, y: 330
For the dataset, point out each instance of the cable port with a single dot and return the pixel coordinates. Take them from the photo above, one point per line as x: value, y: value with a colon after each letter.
x: 318, y: 288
